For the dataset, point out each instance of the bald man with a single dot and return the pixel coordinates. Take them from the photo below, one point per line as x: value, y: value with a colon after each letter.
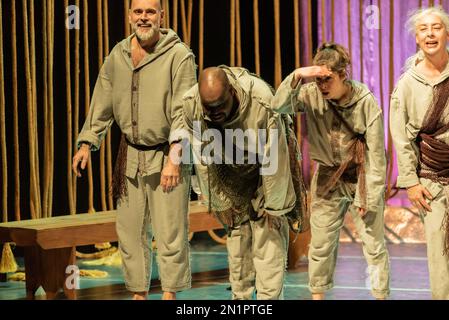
x: 140, y: 87
x: 246, y: 178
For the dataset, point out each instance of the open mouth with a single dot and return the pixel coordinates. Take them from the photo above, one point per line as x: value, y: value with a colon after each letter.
x: 144, y: 26
x: 217, y: 117
x: 431, y: 44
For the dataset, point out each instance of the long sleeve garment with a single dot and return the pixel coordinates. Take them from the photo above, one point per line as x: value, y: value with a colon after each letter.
x: 409, y: 103
x: 145, y: 101
x: 275, y: 194
x: 328, y: 137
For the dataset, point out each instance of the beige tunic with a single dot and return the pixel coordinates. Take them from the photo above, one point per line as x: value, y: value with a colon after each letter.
x: 275, y: 195
x: 328, y: 137
x: 409, y: 103
x: 145, y: 101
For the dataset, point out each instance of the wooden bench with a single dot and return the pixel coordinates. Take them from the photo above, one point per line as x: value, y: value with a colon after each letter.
x: 49, y: 243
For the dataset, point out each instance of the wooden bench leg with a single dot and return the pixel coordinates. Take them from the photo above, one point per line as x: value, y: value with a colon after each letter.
x: 47, y: 268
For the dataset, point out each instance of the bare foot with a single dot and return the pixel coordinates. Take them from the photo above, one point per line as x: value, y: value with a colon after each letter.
x: 317, y: 296
x: 140, y: 295
x: 169, y: 295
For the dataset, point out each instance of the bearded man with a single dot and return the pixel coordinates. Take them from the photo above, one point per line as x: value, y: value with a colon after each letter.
x: 140, y: 87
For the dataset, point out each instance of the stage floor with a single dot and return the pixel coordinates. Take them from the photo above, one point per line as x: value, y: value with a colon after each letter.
x: 409, y: 276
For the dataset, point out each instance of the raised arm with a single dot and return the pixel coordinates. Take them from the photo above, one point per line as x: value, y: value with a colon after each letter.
x: 289, y: 97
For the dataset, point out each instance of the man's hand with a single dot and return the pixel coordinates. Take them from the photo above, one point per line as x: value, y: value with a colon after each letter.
x: 170, y: 177
x: 310, y: 72
x: 82, y: 156
x: 417, y: 195
x: 171, y: 173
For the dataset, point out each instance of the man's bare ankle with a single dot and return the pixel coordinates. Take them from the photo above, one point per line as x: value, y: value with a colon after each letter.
x: 140, y: 295
x: 318, y: 296
x: 169, y: 295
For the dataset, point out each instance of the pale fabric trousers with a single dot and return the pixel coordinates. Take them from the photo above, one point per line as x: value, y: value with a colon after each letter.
x: 435, y: 237
x: 148, y: 212
x: 326, y: 221
x: 257, y: 257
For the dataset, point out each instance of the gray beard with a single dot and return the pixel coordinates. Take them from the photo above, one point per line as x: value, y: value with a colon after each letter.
x: 145, y: 35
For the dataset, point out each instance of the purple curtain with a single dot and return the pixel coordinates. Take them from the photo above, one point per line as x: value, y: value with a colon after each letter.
x: 346, y: 22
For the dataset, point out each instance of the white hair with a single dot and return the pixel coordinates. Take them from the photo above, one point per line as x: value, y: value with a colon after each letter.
x: 412, y: 23
x: 415, y: 16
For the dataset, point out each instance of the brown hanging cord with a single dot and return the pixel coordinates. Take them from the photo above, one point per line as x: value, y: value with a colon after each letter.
x: 34, y: 104
x: 33, y: 182
x: 175, y: 15
x: 349, y: 28
x: 102, y: 147
x: 166, y: 9
x: 296, y: 33
x: 125, y: 18
x: 201, y: 37
x: 256, y: 35
x: 333, y: 20
x: 323, y: 21
x: 391, y: 81
x: 361, y: 21
x: 277, y: 44
x: 238, y: 33
x: 45, y: 109
x: 232, y: 34
x: 186, y: 21
x: 297, y: 60
x: 7, y: 261
x: 76, y: 106
x: 17, y: 212
x: 309, y: 32
x: 50, y: 120
x: 91, y: 208
x: 108, y: 136
x: 68, y: 83
x: 3, y: 130
x: 189, y: 20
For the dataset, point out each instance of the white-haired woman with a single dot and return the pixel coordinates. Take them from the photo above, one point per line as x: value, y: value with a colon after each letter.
x: 419, y: 124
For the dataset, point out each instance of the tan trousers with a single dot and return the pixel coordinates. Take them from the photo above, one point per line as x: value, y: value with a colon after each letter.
x: 257, y: 257
x: 435, y: 235
x: 147, y: 211
x: 326, y: 221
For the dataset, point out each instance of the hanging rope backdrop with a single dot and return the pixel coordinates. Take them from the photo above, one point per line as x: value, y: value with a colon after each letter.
x: 256, y: 35
x: 15, y: 104
x: 3, y: 131
x: 76, y: 104
x: 91, y: 208
x: 40, y: 126
x: 69, y: 118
